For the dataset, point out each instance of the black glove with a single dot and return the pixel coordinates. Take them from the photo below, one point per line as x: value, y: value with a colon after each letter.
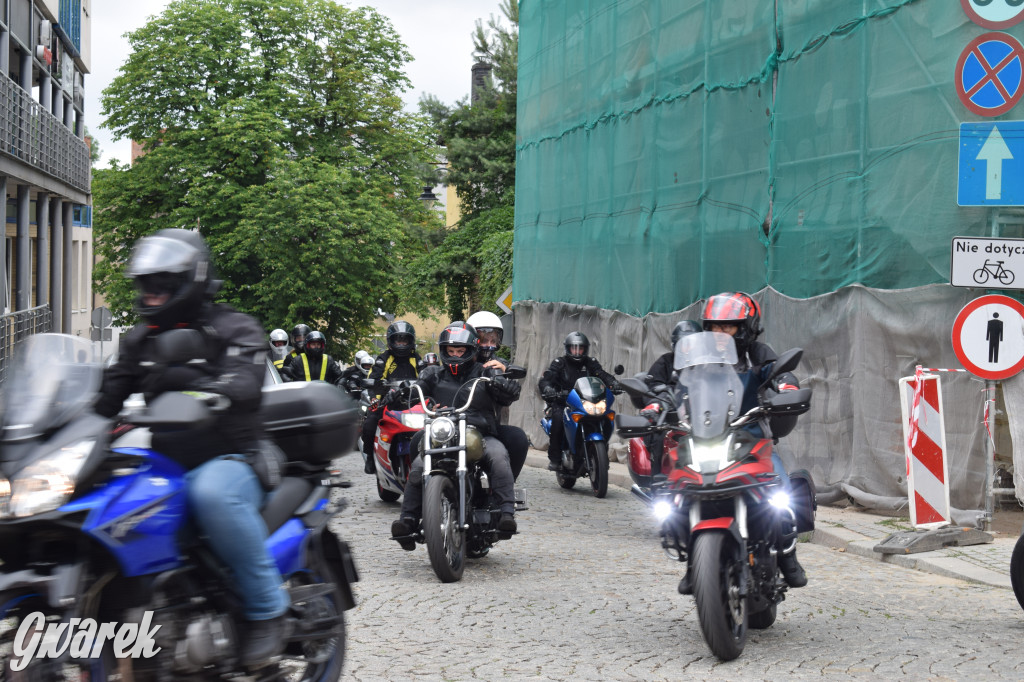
x: 616, y: 387
x: 549, y: 394
x: 504, y: 389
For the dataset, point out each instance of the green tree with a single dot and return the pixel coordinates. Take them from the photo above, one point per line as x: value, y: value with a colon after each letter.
x: 474, y: 261
x: 275, y: 128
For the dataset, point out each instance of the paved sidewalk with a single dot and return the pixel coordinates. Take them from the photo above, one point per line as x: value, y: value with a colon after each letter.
x: 857, y: 532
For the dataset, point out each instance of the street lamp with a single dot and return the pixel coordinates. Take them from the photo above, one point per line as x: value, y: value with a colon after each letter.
x: 428, y: 197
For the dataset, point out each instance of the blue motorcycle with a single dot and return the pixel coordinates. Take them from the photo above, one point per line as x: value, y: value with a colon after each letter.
x: 589, y: 421
x: 98, y: 533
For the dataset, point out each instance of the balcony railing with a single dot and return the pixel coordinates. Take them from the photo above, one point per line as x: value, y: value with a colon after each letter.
x: 31, y: 134
x: 16, y: 327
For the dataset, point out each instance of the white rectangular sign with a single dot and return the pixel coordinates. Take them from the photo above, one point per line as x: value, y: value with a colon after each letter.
x: 987, y: 263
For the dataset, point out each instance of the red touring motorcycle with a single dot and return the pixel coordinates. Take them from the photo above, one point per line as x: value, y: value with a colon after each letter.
x: 391, y: 450
x: 723, y: 509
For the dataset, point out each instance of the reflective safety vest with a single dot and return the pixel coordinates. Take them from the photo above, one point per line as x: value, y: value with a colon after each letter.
x: 279, y: 363
x: 323, y: 367
x: 391, y: 364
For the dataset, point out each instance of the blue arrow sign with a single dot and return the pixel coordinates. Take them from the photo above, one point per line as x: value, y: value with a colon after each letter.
x: 991, y: 164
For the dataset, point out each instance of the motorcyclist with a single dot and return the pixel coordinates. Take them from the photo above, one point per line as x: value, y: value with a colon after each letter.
x: 353, y: 375
x: 299, y: 332
x: 279, y: 347
x: 428, y: 360
x: 174, y: 277
x: 491, y: 331
x: 562, y: 375
x: 450, y: 385
x: 313, y: 363
x: 399, y: 361
x: 738, y: 315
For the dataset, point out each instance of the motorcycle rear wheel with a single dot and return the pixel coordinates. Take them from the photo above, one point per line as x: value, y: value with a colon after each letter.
x: 597, y: 461
x: 446, y: 542
x: 1017, y: 570
x: 721, y: 611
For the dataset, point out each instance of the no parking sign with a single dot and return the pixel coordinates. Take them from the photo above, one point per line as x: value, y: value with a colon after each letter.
x: 989, y: 74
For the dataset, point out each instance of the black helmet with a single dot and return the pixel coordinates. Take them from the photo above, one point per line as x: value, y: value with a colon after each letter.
x: 401, y: 339
x: 315, y: 344
x: 430, y: 359
x: 573, y: 343
x: 462, y: 335
x: 299, y: 334
x: 174, y: 266
x: 735, y: 308
x: 684, y: 328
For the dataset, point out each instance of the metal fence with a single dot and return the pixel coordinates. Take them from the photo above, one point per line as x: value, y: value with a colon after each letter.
x: 31, y: 134
x: 18, y: 326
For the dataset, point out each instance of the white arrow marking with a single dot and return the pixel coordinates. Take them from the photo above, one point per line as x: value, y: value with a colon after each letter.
x: 994, y: 152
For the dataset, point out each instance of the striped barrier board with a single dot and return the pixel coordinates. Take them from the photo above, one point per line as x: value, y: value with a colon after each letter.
x: 924, y: 439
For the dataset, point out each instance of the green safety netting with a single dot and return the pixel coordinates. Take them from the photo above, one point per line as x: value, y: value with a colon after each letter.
x: 668, y: 150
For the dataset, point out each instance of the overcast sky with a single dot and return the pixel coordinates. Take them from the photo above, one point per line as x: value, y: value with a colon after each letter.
x: 437, y: 33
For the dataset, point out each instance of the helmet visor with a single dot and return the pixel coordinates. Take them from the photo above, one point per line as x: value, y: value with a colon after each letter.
x: 160, y: 283
x: 315, y: 346
x: 159, y: 254
x: 577, y: 350
x: 278, y: 343
x: 401, y: 341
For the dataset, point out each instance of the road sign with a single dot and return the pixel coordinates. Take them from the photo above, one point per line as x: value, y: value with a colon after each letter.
x: 994, y: 13
x: 989, y: 73
x: 991, y: 164
x: 988, y: 337
x: 101, y: 317
x: 985, y: 263
x: 505, y: 300
x: 924, y: 439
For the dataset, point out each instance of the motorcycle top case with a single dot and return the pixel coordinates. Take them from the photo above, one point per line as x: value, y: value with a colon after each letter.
x: 312, y: 421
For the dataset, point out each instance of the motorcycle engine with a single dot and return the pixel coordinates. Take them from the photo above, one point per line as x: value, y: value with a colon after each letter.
x: 209, y: 638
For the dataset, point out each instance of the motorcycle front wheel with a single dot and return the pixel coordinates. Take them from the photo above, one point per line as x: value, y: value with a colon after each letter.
x: 597, y: 462
x: 721, y: 610
x: 387, y: 495
x: 446, y: 542
x: 1017, y: 570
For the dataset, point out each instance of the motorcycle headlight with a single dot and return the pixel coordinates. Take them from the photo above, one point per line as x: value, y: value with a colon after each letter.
x: 5, y: 497
x: 662, y: 510
x: 413, y: 420
x: 442, y: 430
x: 779, y: 500
x: 48, y: 483
x: 595, y: 409
x: 708, y: 458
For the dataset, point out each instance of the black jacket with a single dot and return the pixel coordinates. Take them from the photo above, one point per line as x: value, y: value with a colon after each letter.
x: 390, y: 368
x: 661, y: 371
x: 352, y: 378
x: 438, y: 383
x: 296, y: 370
x: 235, y: 367
x: 562, y: 375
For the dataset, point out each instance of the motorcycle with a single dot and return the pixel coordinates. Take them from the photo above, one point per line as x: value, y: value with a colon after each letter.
x: 588, y: 420
x: 90, y: 534
x: 723, y: 508
x: 1017, y: 570
x: 459, y: 517
x: 392, y: 449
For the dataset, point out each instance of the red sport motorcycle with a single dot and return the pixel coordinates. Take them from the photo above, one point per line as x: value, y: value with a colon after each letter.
x: 392, y: 453
x: 723, y: 508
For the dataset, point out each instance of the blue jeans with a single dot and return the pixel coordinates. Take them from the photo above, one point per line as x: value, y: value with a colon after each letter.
x: 224, y: 498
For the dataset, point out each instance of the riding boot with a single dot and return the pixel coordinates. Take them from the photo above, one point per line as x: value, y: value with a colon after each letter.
x: 686, y: 584
x: 370, y: 465
x: 792, y: 571
x: 264, y: 640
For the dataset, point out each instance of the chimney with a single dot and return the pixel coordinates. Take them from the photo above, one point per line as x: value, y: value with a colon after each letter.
x: 481, y: 81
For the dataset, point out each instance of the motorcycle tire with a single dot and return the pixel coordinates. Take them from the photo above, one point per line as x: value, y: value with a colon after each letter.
x: 722, y: 613
x: 597, y: 462
x: 564, y: 481
x: 1017, y: 570
x: 446, y: 542
x: 762, y: 619
x: 387, y: 495
x: 317, y: 660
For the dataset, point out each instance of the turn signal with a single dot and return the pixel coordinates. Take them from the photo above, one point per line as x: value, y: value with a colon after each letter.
x: 577, y: 417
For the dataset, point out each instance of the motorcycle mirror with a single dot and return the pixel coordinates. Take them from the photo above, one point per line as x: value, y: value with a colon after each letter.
x: 515, y: 372
x: 787, y: 362
x: 618, y: 370
x: 179, y: 345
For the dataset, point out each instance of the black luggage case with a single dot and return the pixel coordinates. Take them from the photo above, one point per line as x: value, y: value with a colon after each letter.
x: 312, y: 421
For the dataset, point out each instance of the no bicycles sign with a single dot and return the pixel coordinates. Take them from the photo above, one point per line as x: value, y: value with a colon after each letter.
x: 987, y: 263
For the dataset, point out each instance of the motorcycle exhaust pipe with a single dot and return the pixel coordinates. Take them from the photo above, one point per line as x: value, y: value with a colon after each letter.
x: 641, y: 493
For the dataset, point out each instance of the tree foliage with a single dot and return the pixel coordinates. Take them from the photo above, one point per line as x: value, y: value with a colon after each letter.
x: 275, y: 128
x: 472, y: 266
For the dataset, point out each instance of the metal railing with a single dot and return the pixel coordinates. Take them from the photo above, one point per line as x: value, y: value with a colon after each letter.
x: 18, y: 326
x: 31, y: 134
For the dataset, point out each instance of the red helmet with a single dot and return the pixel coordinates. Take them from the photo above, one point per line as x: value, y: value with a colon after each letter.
x: 735, y: 308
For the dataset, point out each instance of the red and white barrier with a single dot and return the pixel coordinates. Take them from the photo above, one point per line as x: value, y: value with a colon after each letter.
x: 924, y: 438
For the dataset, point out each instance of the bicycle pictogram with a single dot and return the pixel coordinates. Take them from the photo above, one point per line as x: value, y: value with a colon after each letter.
x: 996, y: 270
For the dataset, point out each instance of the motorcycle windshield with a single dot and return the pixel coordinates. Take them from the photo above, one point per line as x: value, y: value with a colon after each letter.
x: 590, y: 389
x: 54, y: 377
x: 709, y: 392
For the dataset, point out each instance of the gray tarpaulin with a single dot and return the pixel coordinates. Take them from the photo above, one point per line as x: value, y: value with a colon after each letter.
x: 858, y: 342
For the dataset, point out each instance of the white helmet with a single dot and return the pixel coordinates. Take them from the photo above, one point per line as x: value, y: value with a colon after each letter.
x: 364, y: 360
x: 279, y: 344
x: 484, y: 321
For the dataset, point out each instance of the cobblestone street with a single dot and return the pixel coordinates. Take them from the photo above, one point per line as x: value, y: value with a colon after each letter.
x: 584, y: 592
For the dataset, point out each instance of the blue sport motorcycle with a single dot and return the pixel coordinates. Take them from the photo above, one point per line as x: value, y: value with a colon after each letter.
x: 589, y: 422
x: 92, y: 533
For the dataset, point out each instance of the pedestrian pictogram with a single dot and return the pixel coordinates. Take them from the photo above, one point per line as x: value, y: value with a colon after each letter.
x: 988, y: 337
x: 995, y: 14
x: 989, y: 73
x: 924, y: 437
